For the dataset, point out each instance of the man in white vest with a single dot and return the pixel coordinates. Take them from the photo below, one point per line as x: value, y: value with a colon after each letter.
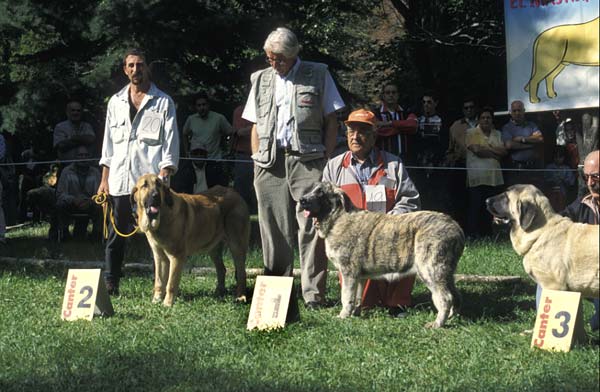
x: 292, y: 105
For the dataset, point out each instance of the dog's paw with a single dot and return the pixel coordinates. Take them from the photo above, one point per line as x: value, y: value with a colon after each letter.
x: 344, y: 314
x: 241, y: 299
x: 157, y: 298
x: 432, y: 324
x: 169, y: 300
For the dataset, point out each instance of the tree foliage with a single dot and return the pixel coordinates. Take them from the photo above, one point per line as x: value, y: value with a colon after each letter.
x: 55, y: 50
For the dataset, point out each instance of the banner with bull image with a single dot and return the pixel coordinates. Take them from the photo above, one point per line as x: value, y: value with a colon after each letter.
x: 552, y: 53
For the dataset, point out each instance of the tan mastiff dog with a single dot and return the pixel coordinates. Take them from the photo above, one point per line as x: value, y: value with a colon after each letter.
x: 558, y: 47
x: 557, y: 253
x: 179, y: 225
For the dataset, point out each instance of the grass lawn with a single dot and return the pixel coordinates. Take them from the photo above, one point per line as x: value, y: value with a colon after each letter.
x: 201, y: 344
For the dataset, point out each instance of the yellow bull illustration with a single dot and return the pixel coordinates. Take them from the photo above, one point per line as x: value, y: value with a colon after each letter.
x: 557, y: 47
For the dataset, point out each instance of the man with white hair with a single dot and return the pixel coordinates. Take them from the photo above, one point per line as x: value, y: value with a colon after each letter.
x: 292, y: 107
x: 586, y: 209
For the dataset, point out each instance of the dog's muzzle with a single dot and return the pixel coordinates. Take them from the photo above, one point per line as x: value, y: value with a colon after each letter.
x: 498, y: 217
x: 152, y: 205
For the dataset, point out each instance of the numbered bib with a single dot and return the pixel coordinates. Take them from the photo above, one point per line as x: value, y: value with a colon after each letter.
x: 85, y: 296
x: 559, y: 321
x: 375, y: 196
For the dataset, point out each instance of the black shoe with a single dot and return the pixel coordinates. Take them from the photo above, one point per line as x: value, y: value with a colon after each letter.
x: 313, y: 305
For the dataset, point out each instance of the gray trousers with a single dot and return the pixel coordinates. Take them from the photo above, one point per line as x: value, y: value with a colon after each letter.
x: 278, y: 190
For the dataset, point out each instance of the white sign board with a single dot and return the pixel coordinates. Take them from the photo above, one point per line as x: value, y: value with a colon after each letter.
x: 85, y: 295
x: 552, y: 53
x: 270, y: 302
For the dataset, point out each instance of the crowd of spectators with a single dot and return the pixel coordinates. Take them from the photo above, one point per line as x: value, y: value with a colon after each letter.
x: 455, y: 163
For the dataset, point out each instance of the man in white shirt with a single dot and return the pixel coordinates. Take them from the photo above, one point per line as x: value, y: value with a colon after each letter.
x: 140, y: 137
x: 292, y: 105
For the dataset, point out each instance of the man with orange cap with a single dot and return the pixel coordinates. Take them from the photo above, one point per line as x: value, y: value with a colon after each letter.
x: 365, y: 173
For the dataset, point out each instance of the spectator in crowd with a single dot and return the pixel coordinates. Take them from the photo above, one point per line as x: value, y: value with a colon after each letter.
x: 524, y: 142
x: 72, y: 133
x: 292, y: 105
x: 395, y: 126
x: 456, y: 157
x: 484, y: 150
x: 558, y: 180
x: 566, y: 137
x: 140, y: 137
x: 586, y: 209
x: 243, y: 169
x: 203, y: 130
x: 361, y: 172
x: 77, y: 184
x: 456, y: 153
x: 430, y: 146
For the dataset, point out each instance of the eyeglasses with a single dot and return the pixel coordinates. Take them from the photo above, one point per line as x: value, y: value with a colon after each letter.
x: 273, y: 61
x: 428, y: 102
x: 594, y: 176
x: 469, y: 107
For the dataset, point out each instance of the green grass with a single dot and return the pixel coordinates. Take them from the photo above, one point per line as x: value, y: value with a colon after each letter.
x: 201, y: 344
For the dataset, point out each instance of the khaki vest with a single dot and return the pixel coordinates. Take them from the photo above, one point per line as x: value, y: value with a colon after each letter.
x: 307, y: 113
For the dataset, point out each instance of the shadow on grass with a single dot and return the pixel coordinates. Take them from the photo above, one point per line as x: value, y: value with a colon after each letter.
x: 152, y: 371
x: 495, y: 301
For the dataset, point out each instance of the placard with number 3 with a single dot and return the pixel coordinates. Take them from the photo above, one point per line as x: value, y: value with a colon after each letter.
x: 85, y: 296
x: 559, y: 321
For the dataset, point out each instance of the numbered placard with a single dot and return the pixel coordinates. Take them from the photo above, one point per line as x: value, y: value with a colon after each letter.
x: 559, y: 321
x: 270, y: 302
x: 85, y: 296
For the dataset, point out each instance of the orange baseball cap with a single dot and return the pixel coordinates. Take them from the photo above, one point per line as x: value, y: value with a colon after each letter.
x: 362, y: 116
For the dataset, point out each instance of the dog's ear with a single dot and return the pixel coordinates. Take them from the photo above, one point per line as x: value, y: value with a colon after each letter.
x: 527, y: 214
x: 346, y: 202
x: 132, y: 196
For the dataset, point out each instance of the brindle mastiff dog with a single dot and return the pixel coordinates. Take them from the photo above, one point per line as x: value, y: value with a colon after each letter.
x: 364, y: 244
x: 557, y: 253
x: 179, y: 225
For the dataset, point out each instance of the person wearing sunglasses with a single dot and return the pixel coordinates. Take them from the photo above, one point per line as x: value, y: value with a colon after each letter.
x: 586, y: 209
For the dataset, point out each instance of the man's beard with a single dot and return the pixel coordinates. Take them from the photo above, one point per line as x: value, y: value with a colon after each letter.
x: 137, y: 78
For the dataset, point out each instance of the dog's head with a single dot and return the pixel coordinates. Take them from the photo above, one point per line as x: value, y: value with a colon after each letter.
x: 522, y: 206
x: 150, y: 196
x: 323, y: 204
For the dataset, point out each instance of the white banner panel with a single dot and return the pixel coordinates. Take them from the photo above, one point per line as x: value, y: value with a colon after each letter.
x: 552, y: 53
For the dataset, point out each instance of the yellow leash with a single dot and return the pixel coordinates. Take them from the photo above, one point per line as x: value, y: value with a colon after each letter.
x: 102, y: 199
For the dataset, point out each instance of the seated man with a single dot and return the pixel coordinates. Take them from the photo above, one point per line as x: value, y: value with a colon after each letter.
x: 77, y: 184
x: 365, y: 171
x: 586, y: 210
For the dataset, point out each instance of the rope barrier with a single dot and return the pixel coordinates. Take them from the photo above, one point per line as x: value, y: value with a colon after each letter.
x: 249, y: 161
